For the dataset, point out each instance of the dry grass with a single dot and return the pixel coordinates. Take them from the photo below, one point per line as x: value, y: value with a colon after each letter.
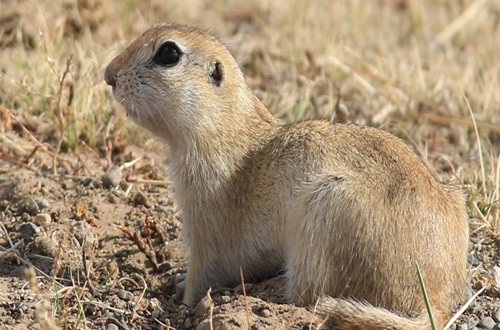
x: 427, y: 71
x: 398, y: 64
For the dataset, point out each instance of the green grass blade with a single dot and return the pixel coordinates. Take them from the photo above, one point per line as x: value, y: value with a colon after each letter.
x: 426, y: 298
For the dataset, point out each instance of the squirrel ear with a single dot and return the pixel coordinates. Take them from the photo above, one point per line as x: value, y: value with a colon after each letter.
x: 216, y: 73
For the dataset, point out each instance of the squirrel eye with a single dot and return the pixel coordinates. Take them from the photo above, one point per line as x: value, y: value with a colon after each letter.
x: 168, y: 54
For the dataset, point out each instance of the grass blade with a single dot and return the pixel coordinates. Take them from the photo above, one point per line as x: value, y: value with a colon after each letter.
x: 426, y: 298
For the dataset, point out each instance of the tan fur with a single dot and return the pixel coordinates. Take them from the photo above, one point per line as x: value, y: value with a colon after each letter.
x: 345, y: 210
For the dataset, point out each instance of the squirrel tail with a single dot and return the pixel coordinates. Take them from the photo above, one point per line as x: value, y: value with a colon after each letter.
x: 348, y: 314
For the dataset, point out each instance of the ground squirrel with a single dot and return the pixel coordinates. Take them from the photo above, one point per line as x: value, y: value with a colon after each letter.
x: 345, y: 211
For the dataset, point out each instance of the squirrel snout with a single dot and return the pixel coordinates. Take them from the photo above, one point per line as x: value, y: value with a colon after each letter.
x: 110, y: 74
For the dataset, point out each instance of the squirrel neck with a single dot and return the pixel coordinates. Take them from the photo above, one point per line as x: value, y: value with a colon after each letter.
x: 210, y: 154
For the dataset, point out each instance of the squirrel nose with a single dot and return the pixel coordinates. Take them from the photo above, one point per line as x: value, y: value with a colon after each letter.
x: 110, y: 74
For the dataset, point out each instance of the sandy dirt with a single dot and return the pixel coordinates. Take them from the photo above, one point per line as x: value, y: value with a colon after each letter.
x: 91, y: 273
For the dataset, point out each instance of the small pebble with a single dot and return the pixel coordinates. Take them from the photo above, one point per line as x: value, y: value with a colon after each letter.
x: 44, y: 246
x: 29, y: 205
x: 265, y: 312
x: 112, y: 326
x: 142, y: 199
x: 28, y: 230
x: 486, y: 323
x: 496, y: 315
x: 203, y: 306
x: 42, y: 219
x: 25, y: 217
x: 112, y: 177
x: 43, y: 204
x: 125, y: 295
x: 225, y: 299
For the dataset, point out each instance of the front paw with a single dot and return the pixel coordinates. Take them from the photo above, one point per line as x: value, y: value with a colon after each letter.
x: 180, y: 285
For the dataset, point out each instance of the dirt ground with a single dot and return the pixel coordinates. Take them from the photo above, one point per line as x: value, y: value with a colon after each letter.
x: 79, y: 243
x: 90, y: 272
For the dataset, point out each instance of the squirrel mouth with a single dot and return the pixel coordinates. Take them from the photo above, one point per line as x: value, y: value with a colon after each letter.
x: 123, y: 101
x: 129, y: 109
